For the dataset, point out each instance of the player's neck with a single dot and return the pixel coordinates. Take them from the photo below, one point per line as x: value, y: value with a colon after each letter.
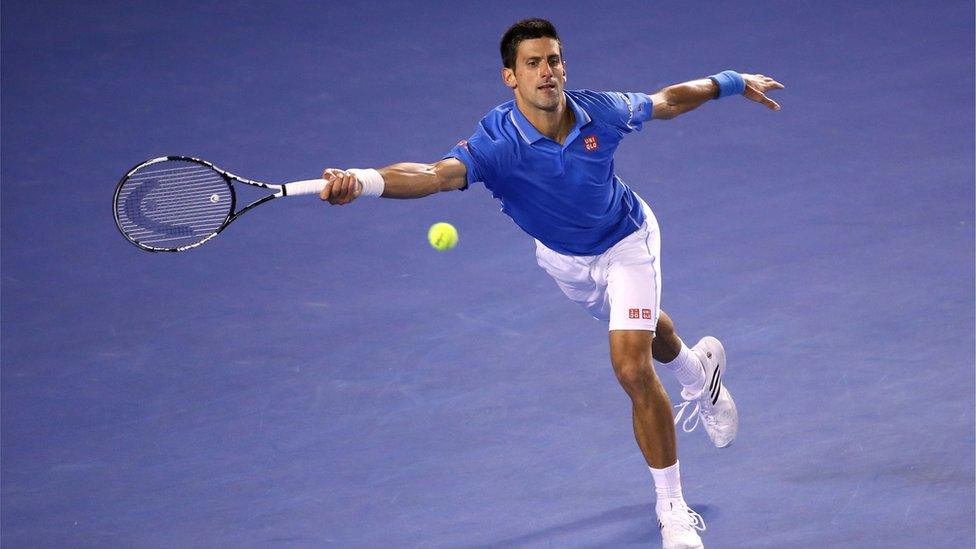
x: 555, y: 124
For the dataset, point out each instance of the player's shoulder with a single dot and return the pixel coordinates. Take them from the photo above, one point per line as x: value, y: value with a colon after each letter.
x: 596, y: 99
x: 624, y: 111
x: 496, y: 132
x: 495, y: 123
x: 597, y: 103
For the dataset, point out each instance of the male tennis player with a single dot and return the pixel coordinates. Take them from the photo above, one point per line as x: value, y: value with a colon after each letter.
x: 547, y: 157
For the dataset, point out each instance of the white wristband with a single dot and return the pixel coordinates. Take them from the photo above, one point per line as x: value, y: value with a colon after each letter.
x: 371, y: 181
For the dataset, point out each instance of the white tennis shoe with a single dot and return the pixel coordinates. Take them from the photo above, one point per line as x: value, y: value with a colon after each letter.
x: 714, y: 406
x: 680, y: 526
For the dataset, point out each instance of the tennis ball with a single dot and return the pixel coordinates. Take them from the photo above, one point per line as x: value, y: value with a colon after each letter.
x: 442, y: 236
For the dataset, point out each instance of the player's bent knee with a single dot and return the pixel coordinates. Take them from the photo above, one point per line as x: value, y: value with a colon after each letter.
x: 633, y: 375
x: 665, y: 326
x: 630, y: 353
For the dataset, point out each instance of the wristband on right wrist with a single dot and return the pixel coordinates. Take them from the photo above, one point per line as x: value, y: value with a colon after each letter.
x: 371, y: 181
x: 729, y: 83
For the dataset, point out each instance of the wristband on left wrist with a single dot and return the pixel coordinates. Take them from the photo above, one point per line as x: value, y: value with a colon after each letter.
x: 729, y: 83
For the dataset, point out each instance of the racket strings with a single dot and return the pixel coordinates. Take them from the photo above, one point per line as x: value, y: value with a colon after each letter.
x: 173, y: 204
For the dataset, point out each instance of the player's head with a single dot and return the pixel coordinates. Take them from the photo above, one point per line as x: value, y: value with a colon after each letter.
x: 532, y: 56
x: 526, y: 29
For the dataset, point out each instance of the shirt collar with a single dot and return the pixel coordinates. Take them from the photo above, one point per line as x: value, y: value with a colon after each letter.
x: 531, y: 135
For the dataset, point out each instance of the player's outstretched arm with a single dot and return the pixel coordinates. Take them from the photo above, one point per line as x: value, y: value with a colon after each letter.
x: 688, y: 96
x: 403, y: 180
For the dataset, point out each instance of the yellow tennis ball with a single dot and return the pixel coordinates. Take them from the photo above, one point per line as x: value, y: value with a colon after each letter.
x: 442, y: 236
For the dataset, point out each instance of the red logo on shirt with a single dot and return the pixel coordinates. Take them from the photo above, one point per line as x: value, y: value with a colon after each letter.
x: 590, y: 143
x: 635, y: 313
x: 646, y: 313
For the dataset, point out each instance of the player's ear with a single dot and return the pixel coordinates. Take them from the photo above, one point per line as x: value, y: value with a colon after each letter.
x: 508, y: 77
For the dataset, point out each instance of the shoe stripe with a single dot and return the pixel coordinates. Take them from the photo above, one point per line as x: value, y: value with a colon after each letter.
x: 718, y: 386
x: 715, y: 376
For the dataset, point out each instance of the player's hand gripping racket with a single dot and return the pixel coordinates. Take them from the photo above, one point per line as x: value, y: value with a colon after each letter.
x: 175, y: 203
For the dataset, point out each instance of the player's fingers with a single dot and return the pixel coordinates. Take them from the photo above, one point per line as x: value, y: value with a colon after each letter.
x: 333, y: 191
x: 337, y: 183
x: 348, y: 180
x: 345, y: 194
x: 770, y: 103
x: 336, y: 198
x: 327, y: 190
x: 770, y: 83
x: 341, y: 187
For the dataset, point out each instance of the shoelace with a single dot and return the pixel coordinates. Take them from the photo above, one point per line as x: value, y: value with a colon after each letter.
x: 692, y: 418
x: 689, y: 521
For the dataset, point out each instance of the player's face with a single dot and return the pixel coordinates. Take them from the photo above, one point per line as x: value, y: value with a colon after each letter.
x: 539, y: 76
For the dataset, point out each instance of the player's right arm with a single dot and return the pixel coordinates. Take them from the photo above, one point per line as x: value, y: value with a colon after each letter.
x: 403, y: 180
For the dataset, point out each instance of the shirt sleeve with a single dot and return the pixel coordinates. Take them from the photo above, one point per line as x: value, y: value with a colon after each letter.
x: 476, y: 155
x: 634, y: 109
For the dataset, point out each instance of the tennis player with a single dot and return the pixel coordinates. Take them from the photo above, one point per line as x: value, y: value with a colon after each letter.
x: 547, y: 157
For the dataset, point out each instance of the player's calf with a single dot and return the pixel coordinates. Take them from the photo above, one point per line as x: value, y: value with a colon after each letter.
x: 666, y: 344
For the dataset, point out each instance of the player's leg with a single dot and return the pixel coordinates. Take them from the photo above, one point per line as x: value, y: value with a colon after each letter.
x: 585, y: 281
x: 667, y: 344
x: 699, y: 370
x: 671, y: 351
x: 630, y: 354
x: 633, y: 284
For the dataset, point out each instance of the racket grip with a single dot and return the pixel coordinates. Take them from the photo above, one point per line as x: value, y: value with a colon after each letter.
x: 309, y: 186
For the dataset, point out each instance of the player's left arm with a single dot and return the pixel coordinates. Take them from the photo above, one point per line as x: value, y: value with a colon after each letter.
x: 688, y: 96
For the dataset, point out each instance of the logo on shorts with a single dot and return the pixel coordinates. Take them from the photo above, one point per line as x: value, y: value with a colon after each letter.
x: 590, y: 143
x: 635, y: 313
x: 462, y: 143
x: 646, y: 314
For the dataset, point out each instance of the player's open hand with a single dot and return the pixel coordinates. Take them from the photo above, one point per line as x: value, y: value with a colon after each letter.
x: 341, y: 187
x: 756, y: 87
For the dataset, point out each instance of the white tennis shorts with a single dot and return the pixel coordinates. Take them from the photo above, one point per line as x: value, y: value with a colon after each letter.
x: 622, y: 285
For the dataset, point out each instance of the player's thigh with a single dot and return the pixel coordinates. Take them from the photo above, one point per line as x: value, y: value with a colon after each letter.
x: 634, y: 281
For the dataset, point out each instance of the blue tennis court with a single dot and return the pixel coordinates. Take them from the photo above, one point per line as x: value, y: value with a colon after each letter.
x: 319, y: 376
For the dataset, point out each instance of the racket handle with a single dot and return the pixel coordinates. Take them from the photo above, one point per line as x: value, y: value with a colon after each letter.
x: 309, y: 186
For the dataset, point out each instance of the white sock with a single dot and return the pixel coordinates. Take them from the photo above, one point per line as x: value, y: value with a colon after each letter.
x: 689, y: 371
x: 667, y: 483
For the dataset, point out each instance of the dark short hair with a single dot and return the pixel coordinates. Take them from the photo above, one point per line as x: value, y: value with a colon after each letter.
x: 526, y: 29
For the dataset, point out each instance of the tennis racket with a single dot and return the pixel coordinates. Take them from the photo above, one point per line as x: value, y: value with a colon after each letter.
x: 176, y: 203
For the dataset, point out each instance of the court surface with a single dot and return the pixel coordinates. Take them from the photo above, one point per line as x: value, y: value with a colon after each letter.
x: 319, y: 376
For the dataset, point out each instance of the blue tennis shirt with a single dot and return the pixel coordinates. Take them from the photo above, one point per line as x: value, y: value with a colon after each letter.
x: 566, y: 196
